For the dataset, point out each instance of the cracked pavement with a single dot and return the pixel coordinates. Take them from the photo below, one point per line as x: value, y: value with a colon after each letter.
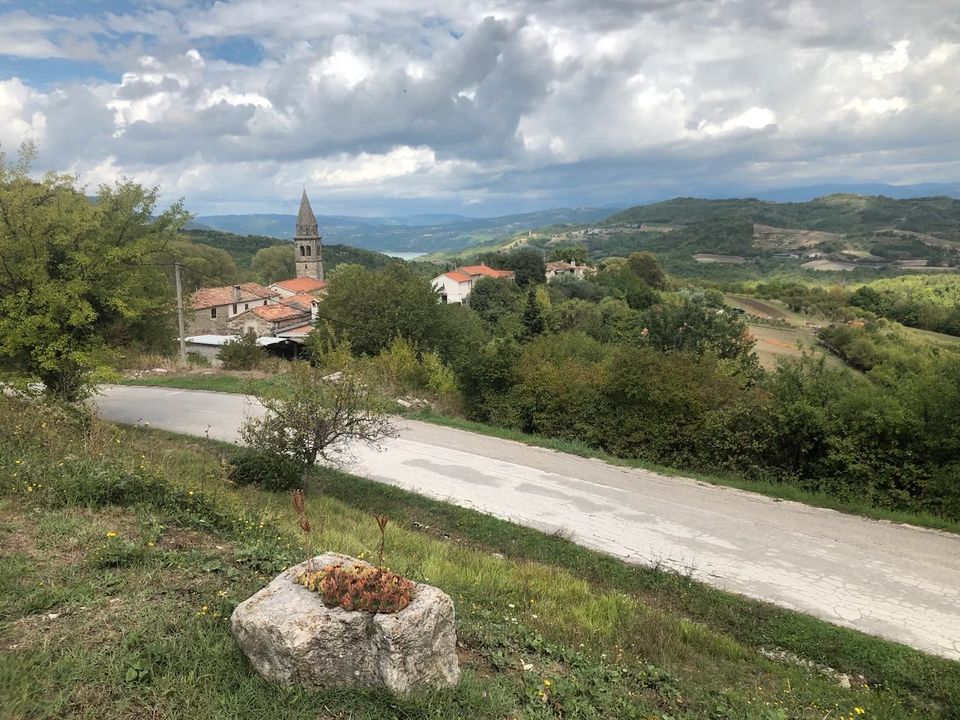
x: 894, y: 581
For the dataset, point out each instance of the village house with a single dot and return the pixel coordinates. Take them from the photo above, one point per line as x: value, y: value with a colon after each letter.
x: 213, y: 307
x: 269, y: 320
x: 455, y: 286
x: 285, y: 309
x: 564, y: 269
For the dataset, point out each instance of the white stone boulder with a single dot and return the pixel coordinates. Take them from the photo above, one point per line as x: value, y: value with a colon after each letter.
x: 292, y: 638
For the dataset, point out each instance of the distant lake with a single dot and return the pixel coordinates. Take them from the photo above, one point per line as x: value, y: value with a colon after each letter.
x: 403, y: 255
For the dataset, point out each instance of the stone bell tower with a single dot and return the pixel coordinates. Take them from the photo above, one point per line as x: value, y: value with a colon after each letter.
x: 309, y: 244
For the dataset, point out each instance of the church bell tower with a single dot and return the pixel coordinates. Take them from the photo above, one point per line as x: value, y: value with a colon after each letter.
x: 309, y: 244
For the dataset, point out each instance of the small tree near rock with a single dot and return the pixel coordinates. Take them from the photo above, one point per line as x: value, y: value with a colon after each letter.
x: 314, y: 416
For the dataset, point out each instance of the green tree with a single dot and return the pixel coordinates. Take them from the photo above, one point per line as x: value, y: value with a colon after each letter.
x: 569, y: 253
x: 533, y: 320
x: 527, y: 265
x: 576, y: 315
x: 645, y: 266
x: 77, y: 275
x: 697, y: 323
x: 274, y: 263
x: 492, y: 298
x: 309, y: 415
x: 372, y: 307
x: 202, y: 265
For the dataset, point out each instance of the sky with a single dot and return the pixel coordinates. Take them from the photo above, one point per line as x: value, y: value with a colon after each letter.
x: 480, y: 107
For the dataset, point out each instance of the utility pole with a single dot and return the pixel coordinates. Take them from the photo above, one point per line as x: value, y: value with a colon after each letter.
x: 183, y: 343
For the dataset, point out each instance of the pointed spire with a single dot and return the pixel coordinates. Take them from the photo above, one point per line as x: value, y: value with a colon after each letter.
x: 306, y: 220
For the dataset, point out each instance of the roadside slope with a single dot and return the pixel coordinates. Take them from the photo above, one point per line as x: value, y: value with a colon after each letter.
x: 897, y: 582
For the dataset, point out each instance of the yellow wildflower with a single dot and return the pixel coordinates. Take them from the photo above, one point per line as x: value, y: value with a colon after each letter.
x: 546, y: 682
x: 111, y: 534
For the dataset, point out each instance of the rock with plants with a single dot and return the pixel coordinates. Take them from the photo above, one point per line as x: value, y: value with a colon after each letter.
x: 335, y: 620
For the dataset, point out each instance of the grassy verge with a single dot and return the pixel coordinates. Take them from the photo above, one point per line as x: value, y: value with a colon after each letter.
x: 214, y: 382
x: 134, y: 624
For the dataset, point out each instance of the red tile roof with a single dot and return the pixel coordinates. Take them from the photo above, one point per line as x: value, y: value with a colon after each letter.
x: 298, y: 331
x: 468, y: 272
x: 302, y: 301
x: 485, y: 270
x: 226, y: 295
x: 276, y: 312
x: 302, y: 284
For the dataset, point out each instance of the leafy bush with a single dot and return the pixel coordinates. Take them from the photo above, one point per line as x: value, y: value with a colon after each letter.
x: 92, y: 483
x: 359, y: 587
x: 242, y: 353
x: 268, y: 471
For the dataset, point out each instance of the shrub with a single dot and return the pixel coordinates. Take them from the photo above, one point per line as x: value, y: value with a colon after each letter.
x: 266, y: 470
x: 195, y: 358
x: 242, y: 353
x: 359, y: 587
x: 92, y: 483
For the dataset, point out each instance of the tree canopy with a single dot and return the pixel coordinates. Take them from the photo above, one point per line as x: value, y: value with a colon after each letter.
x: 528, y: 266
x: 78, y: 276
x: 274, y: 263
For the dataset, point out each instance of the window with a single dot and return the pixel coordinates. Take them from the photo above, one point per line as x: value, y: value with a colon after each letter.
x: 246, y: 306
x: 264, y: 302
x: 213, y: 313
x: 234, y: 308
x: 309, y: 251
x: 303, y: 251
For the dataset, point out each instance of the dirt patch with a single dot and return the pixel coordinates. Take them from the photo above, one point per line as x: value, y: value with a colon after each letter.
x: 828, y: 266
x: 758, y: 308
x: 175, y: 538
x: 16, y: 534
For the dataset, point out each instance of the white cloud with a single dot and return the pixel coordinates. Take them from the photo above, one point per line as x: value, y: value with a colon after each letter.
x: 872, y: 107
x: 20, y: 116
x: 755, y: 118
x: 897, y: 59
x: 483, y: 100
x: 366, y: 169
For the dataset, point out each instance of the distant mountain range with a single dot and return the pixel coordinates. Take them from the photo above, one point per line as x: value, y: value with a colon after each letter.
x: 408, y: 234
x: 447, y: 232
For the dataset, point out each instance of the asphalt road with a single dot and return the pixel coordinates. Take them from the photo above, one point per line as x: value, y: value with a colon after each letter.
x: 894, y: 581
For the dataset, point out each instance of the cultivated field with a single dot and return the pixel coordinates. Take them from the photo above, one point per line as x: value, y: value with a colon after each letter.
x: 787, y: 340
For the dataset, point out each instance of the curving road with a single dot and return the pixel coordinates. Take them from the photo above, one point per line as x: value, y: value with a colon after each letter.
x: 894, y: 581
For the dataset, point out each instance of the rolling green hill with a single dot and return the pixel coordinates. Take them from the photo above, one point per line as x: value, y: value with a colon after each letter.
x: 242, y: 248
x: 853, y: 237
x: 841, y: 213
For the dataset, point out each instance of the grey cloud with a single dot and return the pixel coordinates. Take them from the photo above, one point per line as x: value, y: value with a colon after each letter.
x: 539, y: 98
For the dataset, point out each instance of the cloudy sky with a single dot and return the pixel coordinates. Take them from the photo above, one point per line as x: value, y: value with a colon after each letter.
x: 481, y: 107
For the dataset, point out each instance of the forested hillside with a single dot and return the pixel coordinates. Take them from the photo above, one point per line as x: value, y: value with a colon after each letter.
x: 855, y: 237
x: 210, y: 256
x: 842, y: 213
